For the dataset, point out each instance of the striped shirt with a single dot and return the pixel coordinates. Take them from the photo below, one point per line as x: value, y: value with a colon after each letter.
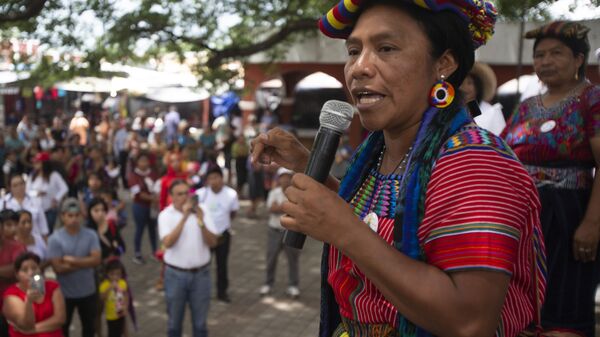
x: 481, y: 213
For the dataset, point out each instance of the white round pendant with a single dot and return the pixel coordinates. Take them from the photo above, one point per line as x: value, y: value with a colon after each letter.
x: 373, y: 221
x: 548, y: 126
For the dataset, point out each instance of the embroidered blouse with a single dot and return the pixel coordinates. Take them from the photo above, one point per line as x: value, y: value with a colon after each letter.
x: 481, y: 213
x: 556, y: 136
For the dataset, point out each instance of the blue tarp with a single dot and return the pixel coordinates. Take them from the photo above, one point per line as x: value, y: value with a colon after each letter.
x: 225, y: 104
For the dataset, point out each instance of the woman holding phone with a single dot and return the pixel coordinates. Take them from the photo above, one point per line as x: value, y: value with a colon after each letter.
x: 33, y: 306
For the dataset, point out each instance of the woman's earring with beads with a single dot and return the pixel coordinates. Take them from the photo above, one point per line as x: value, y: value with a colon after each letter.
x: 442, y: 94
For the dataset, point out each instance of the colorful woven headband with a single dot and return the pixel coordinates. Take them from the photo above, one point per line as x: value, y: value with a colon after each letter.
x: 480, y: 15
x: 564, y: 29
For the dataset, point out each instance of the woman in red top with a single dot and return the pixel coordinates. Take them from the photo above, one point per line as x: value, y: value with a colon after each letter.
x: 29, y: 312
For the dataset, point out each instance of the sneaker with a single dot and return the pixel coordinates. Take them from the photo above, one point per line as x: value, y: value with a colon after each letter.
x: 265, y: 290
x: 293, y: 291
x: 138, y: 260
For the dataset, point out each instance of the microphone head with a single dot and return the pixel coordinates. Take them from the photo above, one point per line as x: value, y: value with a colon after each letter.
x: 336, y: 115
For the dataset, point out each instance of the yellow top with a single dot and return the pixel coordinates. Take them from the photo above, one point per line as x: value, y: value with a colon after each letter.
x: 114, y: 306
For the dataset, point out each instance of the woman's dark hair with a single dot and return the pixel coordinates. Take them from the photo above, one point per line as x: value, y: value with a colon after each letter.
x: 94, y: 202
x: 46, y: 171
x: 141, y: 155
x: 90, y: 174
x: 8, y: 215
x: 114, y: 264
x: 445, y: 31
x: 577, y: 46
x: 24, y: 211
x: 26, y: 256
x: 14, y: 175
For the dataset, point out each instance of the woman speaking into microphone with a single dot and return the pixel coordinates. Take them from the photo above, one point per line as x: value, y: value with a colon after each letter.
x: 434, y: 229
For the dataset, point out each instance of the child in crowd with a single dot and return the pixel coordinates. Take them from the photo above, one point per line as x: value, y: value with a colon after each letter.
x: 275, y: 238
x: 9, y: 219
x: 114, y: 294
x: 91, y: 191
x: 116, y: 208
x: 112, y: 171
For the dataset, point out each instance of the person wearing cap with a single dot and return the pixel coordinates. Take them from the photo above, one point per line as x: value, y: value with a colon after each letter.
x: 74, y: 253
x: 220, y: 204
x: 479, y: 87
x: 557, y: 136
x: 275, y: 244
x: 47, y: 184
x: 435, y: 229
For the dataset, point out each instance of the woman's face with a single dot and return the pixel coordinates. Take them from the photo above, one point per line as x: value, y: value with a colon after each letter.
x: 468, y: 88
x: 94, y: 183
x: 115, y: 275
x: 9, y: 230
x: 554, y: 62
x: 389, y: 71
x: 143, y: 163
x: 17, y: 186
x: 98, y: 213
x: 24, y: 226
x: 27, y: 270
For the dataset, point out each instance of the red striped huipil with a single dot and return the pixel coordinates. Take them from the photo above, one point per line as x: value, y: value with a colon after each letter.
x: 481, y: 213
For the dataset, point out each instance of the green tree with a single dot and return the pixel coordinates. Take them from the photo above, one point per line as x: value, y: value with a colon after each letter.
x: 86, y: 32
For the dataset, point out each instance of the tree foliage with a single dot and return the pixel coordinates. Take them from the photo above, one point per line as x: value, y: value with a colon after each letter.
x: 85, y: 32
x: 529, y: 9
x: 80, y: 34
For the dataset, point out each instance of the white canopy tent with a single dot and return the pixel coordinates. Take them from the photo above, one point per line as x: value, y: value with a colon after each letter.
x: 529, y: 85
x: 177, y: 95
x: 11, y: 77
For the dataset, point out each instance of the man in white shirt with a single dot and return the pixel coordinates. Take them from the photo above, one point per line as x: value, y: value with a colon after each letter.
x: 220, y: 204
x: 187, y: 244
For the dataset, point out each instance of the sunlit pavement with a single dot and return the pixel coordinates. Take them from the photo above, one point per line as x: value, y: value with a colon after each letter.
x: 248, y: 314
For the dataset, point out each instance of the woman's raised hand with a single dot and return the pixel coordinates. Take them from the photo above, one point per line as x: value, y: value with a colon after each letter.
x: 279, y: 147
x: 315, y: 210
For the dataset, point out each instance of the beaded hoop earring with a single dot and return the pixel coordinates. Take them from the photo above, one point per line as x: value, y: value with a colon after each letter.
x: 442, y: 94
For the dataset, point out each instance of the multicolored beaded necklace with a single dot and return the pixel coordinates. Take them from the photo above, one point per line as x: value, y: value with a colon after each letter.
x: 379, y: 192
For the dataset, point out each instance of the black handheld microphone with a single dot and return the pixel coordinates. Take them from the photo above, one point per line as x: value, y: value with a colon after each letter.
x: 335, y: 118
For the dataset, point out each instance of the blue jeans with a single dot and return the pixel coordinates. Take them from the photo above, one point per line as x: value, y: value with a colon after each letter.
x: 141, y: 216
x: 193, y: 288
x: 51, y: 215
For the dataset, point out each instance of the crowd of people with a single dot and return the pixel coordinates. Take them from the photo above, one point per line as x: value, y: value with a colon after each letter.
x: 69, y: 189
x: 448, y: 220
